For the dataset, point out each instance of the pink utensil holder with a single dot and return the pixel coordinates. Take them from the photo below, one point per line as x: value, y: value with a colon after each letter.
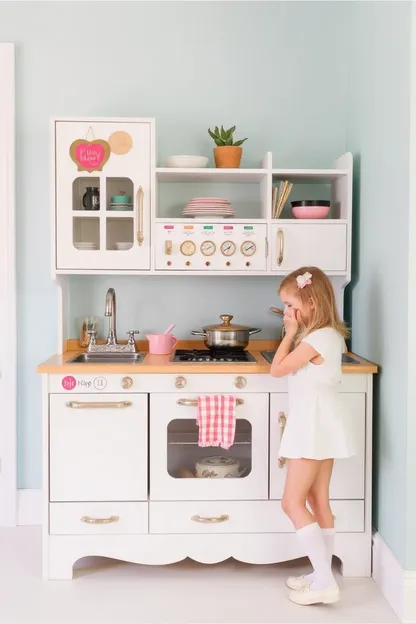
x: 161, y: 344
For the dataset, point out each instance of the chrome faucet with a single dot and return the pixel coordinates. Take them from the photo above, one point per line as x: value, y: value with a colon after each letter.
x: 110, y: 311
x: 112, y: 346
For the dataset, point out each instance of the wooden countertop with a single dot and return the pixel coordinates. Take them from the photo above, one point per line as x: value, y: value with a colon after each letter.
x: 152, y: 364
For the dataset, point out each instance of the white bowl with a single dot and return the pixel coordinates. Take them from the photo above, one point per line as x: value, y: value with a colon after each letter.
x: 187, y: 162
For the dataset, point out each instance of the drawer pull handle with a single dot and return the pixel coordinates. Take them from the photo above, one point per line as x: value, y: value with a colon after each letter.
x: 210, y: 519
x: 99, y: 405
x: 110, y: 520
x: 281, y: 244
x: 194, y: 402
x: 282, y: 424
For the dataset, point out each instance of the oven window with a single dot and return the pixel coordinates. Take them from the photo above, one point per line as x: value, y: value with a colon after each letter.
x: 187, y: 460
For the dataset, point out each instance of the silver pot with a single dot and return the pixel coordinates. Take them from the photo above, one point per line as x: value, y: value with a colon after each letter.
x: 225, y: 335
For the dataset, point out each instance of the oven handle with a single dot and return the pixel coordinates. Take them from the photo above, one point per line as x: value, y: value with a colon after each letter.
x: 194, y: 402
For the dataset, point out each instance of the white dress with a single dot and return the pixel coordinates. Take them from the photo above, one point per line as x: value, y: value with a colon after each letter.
x: 318, y: 426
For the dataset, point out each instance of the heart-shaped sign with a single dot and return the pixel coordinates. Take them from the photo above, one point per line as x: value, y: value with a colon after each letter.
x: 90, y: 155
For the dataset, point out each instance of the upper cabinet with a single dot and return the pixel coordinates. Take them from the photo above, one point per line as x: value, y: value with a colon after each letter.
x: 116, y: 212
x: 103, y: 195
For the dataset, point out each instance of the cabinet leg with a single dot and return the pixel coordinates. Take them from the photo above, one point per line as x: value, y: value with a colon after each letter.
x: 60, y: 568
x: 355, y: 556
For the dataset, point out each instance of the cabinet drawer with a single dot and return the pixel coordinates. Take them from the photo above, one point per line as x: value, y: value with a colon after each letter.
x: 98, y: 518
x: 241, y: 517
x: 98, y: 447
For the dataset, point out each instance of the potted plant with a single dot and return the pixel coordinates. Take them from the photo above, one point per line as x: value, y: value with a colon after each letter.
x: 227, y: 154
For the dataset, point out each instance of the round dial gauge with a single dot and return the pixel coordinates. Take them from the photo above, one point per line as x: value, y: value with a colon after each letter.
x: 188, y: 248
x: 208, y: 248
x: 248, y: 248
x: 227, y: 248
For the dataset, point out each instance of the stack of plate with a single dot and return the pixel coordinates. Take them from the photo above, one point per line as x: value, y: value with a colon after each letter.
x: 214, y: 207
x: 86, y: 246
x: 123, y: 246
x: 119, y: 206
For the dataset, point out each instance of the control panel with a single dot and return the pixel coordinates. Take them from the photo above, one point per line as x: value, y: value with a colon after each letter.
x: 211, y: 246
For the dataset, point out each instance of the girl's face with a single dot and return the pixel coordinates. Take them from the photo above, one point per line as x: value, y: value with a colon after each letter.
x: 293, y: 303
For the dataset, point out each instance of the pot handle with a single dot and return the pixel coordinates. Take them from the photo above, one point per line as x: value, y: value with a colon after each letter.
x: 253, y: 331
x: 198, y: 333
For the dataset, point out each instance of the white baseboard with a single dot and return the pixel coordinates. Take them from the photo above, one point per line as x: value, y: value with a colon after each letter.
x: 29, y: 507
x: 397, y: 585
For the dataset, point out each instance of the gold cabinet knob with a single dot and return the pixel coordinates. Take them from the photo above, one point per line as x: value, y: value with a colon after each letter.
x: 180, y: 382
x: 126, y: 383
x: 240, y: 382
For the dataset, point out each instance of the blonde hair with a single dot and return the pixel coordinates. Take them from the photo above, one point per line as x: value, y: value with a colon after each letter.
x: 320, y: 293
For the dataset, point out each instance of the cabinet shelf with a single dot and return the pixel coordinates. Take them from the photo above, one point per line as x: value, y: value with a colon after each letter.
x: 244, y: 176
x: 309, y: 176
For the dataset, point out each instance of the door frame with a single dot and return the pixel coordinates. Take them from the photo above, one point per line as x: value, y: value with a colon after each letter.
x: 8, y: 324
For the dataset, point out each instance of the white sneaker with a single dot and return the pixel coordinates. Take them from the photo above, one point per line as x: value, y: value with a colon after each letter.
x: 310, y: 596
x: 299, y: 582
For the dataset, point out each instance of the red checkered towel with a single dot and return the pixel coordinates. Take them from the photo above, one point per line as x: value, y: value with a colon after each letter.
x: 216, y: 420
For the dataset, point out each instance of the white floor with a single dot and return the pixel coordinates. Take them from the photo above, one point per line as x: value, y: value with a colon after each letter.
x: 185, y: 593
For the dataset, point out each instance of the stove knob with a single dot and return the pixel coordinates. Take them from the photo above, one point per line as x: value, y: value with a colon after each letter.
x: 126, y: 383
x: 240, y: 382
x: 180, y: 382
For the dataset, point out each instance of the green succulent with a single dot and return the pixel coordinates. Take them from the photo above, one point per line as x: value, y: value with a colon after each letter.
x: 224, y: 137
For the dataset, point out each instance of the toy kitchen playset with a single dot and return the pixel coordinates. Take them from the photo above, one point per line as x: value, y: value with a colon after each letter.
x: 124, y: 476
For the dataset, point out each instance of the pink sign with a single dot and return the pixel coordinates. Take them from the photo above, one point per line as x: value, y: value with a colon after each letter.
x: 90, y: 155
x: 69, y: 382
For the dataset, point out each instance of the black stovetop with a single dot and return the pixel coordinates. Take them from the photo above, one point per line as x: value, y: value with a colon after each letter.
x: 215, y: 357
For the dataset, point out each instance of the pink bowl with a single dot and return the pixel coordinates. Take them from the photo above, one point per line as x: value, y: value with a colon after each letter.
x: 310, y: 212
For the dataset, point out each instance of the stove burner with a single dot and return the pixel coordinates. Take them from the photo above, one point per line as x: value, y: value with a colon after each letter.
x: 206, y: 355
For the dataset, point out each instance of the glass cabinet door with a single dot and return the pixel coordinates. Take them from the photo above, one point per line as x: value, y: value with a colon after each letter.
x: 182, y: 470
x: 103, y: 215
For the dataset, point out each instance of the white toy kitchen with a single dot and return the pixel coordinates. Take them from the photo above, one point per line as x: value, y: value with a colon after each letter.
x: 124, y: 476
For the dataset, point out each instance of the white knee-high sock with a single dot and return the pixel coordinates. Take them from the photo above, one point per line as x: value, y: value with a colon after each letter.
x: 312, y: 539
x: 329, y: 537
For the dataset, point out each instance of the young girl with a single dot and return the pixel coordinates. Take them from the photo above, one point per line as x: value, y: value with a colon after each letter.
x: 315, y: 433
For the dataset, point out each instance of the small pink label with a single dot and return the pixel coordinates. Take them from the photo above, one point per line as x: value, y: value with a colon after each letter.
x: 228, y: 227
x: 168, y: 227
x: 69, y: 382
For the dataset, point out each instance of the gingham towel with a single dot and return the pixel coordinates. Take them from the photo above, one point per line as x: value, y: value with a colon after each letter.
x: 216, y: 420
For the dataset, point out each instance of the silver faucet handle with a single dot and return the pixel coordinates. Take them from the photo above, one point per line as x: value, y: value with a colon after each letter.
x: 93, y: 337
x: 131, y: 333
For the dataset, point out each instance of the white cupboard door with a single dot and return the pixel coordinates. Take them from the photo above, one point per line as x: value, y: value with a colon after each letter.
x: 94, y: 231
x: 322, y: 245
x: 98, y: 447
x: 348, y: 479
x: 174, y: 451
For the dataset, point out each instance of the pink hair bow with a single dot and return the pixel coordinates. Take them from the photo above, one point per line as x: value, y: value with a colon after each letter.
x: 304, y: 280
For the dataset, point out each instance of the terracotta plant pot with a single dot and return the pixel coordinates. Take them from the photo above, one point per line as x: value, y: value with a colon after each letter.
x: 228, y: 157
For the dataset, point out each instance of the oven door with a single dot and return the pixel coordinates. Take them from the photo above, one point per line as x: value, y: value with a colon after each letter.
x: 174, y: 451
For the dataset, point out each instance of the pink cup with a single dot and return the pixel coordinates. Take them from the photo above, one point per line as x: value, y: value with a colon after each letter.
x: 161, y: 344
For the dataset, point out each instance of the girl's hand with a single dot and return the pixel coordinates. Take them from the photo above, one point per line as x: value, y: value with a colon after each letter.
x: 291, y: 323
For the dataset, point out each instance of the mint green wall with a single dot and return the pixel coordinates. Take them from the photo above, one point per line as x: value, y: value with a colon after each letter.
x: 378, y: 135
x: 273, y: 69
x: 411, y: 374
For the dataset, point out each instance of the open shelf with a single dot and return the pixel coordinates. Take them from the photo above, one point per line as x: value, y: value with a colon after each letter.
x: 247, y: 176
x: 309, y: 176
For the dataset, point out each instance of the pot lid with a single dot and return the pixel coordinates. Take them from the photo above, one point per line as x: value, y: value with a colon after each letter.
x: 226, y: 325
